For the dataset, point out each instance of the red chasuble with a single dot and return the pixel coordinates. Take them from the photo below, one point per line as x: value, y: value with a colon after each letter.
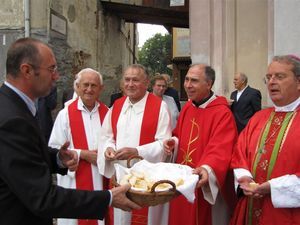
x: 206, y: 137
x: 84, y: 179
x: 148, y: 131
x: 268, y: 149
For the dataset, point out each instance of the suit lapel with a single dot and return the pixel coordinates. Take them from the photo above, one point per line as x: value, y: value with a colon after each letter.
x: 27, y: 115
x: 245, y: 93
x: 15, y: 98
x: 234, y: 95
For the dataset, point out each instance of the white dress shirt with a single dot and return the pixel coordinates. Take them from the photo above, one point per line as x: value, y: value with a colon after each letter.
x: 239, y: 93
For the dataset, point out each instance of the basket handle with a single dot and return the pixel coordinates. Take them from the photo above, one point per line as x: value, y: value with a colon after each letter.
x: 131, y: 158
x: 162, y: 182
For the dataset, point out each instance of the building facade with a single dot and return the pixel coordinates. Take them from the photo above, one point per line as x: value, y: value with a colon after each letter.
x: 81, y: 33
x: 243, y: 35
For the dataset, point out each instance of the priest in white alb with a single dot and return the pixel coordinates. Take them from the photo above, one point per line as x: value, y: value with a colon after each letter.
x: 136, y: 125
x: 80, y: 124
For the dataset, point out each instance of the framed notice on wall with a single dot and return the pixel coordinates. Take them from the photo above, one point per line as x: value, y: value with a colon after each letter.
x: 58, y: 23
x: 176, y: 2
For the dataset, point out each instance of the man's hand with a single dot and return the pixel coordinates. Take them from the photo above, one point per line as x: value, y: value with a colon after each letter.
x: 126, y: 153
x: 120, y: 200
x: 203, y: 176
x: 169, y: 146
x: 263, y: 189
x: 257, y: 190
x: 89, y: 156
x: 110, y: 154
x: 244, y: 183
x: 69, y: 158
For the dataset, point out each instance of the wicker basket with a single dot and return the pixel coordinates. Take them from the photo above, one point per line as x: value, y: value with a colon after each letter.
x: 151, y: 198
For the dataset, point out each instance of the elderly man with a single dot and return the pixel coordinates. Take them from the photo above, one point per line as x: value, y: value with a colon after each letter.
x: 136, y: 125
x: 266, y: 158
x: 80, y: 124
x: 245, y: 101
x: 27, y: 194
x: 205, y: 135
x: 159, y: 86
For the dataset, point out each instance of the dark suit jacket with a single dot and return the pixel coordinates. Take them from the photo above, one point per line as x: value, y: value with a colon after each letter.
x: 27, y: 195
x: 67, y: 95
x: 45, y: 106
x: 243, y: 109
x: 114, y: 97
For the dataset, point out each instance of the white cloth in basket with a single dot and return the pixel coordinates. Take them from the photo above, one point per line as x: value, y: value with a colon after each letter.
x: 164, y: 171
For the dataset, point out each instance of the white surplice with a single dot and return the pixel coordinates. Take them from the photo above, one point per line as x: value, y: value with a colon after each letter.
x: 61, y: 133
x: 128, y: 135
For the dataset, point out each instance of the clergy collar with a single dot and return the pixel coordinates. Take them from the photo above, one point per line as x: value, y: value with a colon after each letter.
x: 137, y: 107
x: 81, y: 106
x: 288, y: 108
x: 204, y: 102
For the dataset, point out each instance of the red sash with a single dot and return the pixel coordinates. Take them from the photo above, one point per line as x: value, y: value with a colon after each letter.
x: 84, y: 180
x: 148, y: 131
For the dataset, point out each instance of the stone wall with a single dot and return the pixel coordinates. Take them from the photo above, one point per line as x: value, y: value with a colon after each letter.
x: 94, y: 38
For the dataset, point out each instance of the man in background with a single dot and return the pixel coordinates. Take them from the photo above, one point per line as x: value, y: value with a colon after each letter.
x: 170, y: 91
x: 45, y: 106
x: 159, y: 86
x: 80, y: 124
x: 117, y: 95
x: 245, y: 101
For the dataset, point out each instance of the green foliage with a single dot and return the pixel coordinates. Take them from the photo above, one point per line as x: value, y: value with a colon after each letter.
x: 155, y: 54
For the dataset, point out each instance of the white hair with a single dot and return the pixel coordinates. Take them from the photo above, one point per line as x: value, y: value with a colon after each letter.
x: 86, y: 70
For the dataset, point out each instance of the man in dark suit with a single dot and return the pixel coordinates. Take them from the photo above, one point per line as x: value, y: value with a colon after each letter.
x: 45, y: 106
x: 245, y: 101
x: 27, y: 195
x: 117, y: 95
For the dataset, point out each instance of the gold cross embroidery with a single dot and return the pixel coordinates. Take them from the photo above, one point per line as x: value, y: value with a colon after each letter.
x: 187, y: 155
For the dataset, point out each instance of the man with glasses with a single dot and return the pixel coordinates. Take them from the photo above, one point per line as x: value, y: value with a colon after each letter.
x: 27, y: 194
x: 159, y: 85
x: 266, y: 158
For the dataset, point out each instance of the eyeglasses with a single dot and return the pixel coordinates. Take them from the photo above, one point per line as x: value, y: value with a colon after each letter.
x: 276, y: 76
x: 51, y: 69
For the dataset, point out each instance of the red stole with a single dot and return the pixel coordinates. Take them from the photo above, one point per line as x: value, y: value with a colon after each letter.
x: 148, y: 131
x: 84, y: 179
